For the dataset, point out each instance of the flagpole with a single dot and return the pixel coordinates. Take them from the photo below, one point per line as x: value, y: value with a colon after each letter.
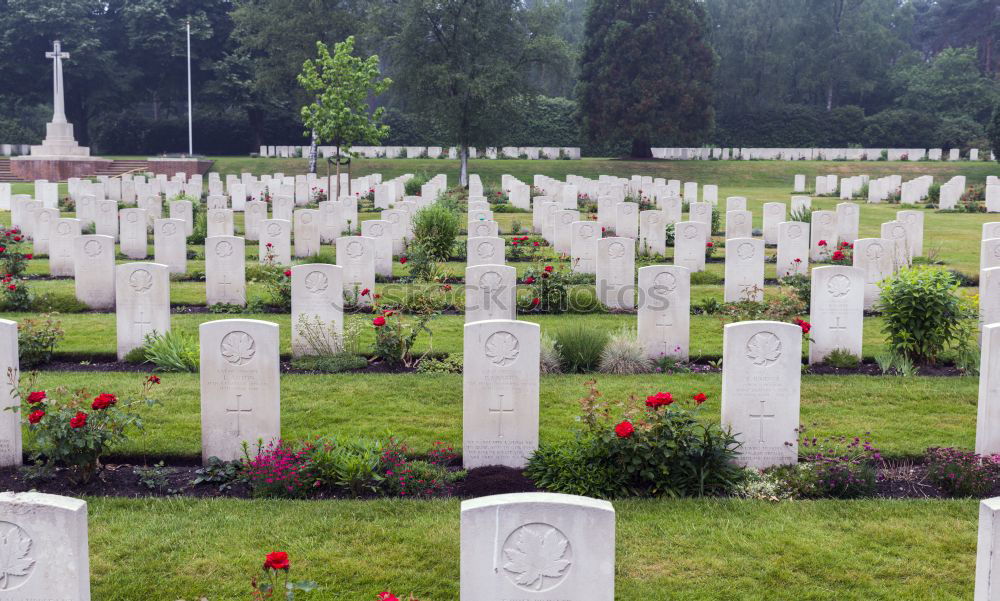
x: 190, y: 111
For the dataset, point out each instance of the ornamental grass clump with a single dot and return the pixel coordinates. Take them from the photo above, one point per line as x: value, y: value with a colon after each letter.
x: 652, y: 447
x: 960, y: 473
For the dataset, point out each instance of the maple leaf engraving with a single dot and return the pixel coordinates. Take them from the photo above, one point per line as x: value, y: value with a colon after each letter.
x: 14, y: 548
x: 763, y: 348
x: 502, y: 348
x: 539, y: 552
x: 238, y: 347
x: 839, y: 285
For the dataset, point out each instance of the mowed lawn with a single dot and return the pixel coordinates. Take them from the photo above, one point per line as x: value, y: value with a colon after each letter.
x: 691, y: 550
x: 904, y: 416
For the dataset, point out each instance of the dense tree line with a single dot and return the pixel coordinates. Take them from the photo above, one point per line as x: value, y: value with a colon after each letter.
x: 614, y: 77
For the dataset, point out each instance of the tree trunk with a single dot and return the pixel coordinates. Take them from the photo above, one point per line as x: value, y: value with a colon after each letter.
x: 338, y: 173
x: 829, y: 96
x: 463, y: 174
x: 641, y: 149
x: 256, y: 119
x: 349, y: 192
x: 313, y: 149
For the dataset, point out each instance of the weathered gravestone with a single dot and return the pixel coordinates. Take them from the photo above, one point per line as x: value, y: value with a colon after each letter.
x: 483, y: 229
x: 537, y: 547
x: 62, y: 260
x: 48, y: 557
x: 170, y: 244
x: 356, y: 255
x: 106, y: 218
x: 848, y: 218
x: 275, y: 242
x: 220, y: 223
x: 626, y: 220
x: 253, y: 219
x: 10, y: 419
x: 562, y: 229
x: 94, y: 269
x: 142, y: 303
x: 225, y: 271
x: 240, y: 391
x: 874, y: 257
x: 823, y: 235
x: 761, y: 374
x: 501, y: 388
x: 690, y: 238
x: 739, y: 224
x: 988, y: 413
x: 744, y: 270
x: 486, y: 250
x: 914, y: 222
x: 652, y: 233
x: 793, y: 248
x: 665, y: 311
x: 837, y: 301
x: 490, y: 293
x: 898, y: 233
x: 380, y: 231
x: 616, y: 272
x: 774, y: 215
x: 317, y: 309
x: 583, y: 249
x: 134, y: 238
x: 44, y: 220
x: 988, y: 552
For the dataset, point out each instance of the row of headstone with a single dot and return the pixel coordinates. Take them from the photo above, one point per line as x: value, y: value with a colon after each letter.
x: 430, y: 152
x: 815, y: 154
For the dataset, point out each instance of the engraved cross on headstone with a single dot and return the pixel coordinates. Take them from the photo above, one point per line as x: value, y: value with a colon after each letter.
x: 761, y: 416
x: 499, y: 411
x: 142, y: 322
x: 837, y: 326
x: 237, y: 411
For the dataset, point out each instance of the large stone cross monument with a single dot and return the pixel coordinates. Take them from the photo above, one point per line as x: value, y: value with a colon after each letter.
x: 59, y: 156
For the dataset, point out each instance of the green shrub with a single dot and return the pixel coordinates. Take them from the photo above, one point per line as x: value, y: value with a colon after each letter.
x: 50, y: 302
x: 961, y: 473
x: 923, y: 315
x: 199, y: 226
x: 173, y: 351
x: 435, y: 230
x: 37, y: 339
x: 351, y: 464
x: 334, y: 364
x: 842, y: 359
x: 659, y: 449
x: 580, y: 347
x: 413, y: 185
x: 624, y: 355
x: 452, y: 364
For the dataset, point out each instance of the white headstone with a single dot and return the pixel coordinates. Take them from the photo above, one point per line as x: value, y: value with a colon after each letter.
x: 793, y: 248
x: 356, y: 255
x: 987, y: 551
x: 220, y: 222
x: 501, y: 388
x: 307, y: 232
x: 665, y: 311
x: 583, y: 249
x: 690, y: 238
x: 823, y: 235
x: 652, y: 233
x: 490, y: 293
x: 134, y: 237
x: 10, y: 420
x: 380, y: 231
x: 317, y: 309
x: 483, y: 229
x: 225, y: 270
x: 739, y: 224
x: 170, y: 244
x: 45, y: 219
x: 62, y: 258
x: 253, y: 219
x: 485, y: 250
x: 837, y: 300
x: 848, y: 219
x: 275, y: 241
x: 914, y: 222
x: 898, y: 233
x: 774, y: 215
x: 106, y: 218
x: 537, y: 546
x: 142, y: 307
x: 761, y: 376
x: 744, y: 270
x: 616, y: 272
x: 874, y: 257
x: 94, y: 270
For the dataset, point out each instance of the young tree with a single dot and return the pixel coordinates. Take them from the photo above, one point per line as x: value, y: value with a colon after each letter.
x: 466, y: 64
x: 342, y: 84
x: 646, y: 73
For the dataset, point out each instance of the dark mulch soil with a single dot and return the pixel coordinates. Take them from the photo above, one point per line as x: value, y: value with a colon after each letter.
x: 870, y: 368
x: 493, y: 480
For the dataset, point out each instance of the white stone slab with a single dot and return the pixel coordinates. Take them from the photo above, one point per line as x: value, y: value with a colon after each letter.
x: 142, y: 303
x: 664, y: 305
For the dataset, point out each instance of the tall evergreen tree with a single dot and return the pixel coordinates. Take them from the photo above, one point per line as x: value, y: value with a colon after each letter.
x: 646, y: 73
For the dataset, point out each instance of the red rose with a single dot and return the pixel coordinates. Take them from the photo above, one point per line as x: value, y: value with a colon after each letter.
x: 403, y: 260
x: 36, y: 416
x: 365, y: 292
x: 529, y: 280
x: 29, y: 256
x: 548, y: 269
x: 624, y: 429
x: 288, y: 273
x: 377, y: 296
x: 79, y: 421
x: 153, y: 379
x: 378, y: 322
x: 446, y: 287
x: 36, y: 397
x: 386, y: 596
x: 660, y: 399
x: 103, y: 401
x: 268, y: 245
x: 535, y: 302
x: 837, y: 255
x: 797, y: 261
x: 805, y: 325
x: 699, y: 398
x: 536, y: 244
x: 515, y: 242
x: 822, y: 243
x: 17, y: 238
x: 2, y: 248
x: 276, y: 560
x: 12, y: 287
x: 709, y: 244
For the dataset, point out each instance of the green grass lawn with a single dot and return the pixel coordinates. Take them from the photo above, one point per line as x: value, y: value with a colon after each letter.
x: 707, y: 550
x: 422, y: 409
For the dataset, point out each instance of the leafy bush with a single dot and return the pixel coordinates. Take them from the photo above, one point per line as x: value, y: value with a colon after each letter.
x: 395, y: 336
x: 413, y: 185
x: 277, y: 281
x: 334, y: 363
x: 435, y: 229
x: 14, y: 295
x: 350, y: 464
x: 14, y: 252
x: 580, y: 347
x: 549, y: 289
x: 658, y: 449
x: 75, y: 430
x: 172, y: 351
x: 50, y: 302
x: 281, y: 470
x: 836, y: 467
x: 624, y: 355
x: 923, y: 315
x: 842, y: 359
x: 37, y: 340
x: 961, y: 473
x: 452, y: 364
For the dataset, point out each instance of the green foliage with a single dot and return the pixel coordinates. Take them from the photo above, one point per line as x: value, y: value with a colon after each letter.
x: 413, y: 185
x: 994, y: 131
x: 172, y: 351
x: 451, y: 364
x: 342, y: 85
x: 351, y: 464
x: 665, y: 97
x: 435, y: 230
x: 332, y: 364
x: 50, y: 302
x: 659, y: 449
x: 962, y: 474
x: 842, y: 359
x: 923, y: 315
x: 37, y: 339
x: 580, y: 347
